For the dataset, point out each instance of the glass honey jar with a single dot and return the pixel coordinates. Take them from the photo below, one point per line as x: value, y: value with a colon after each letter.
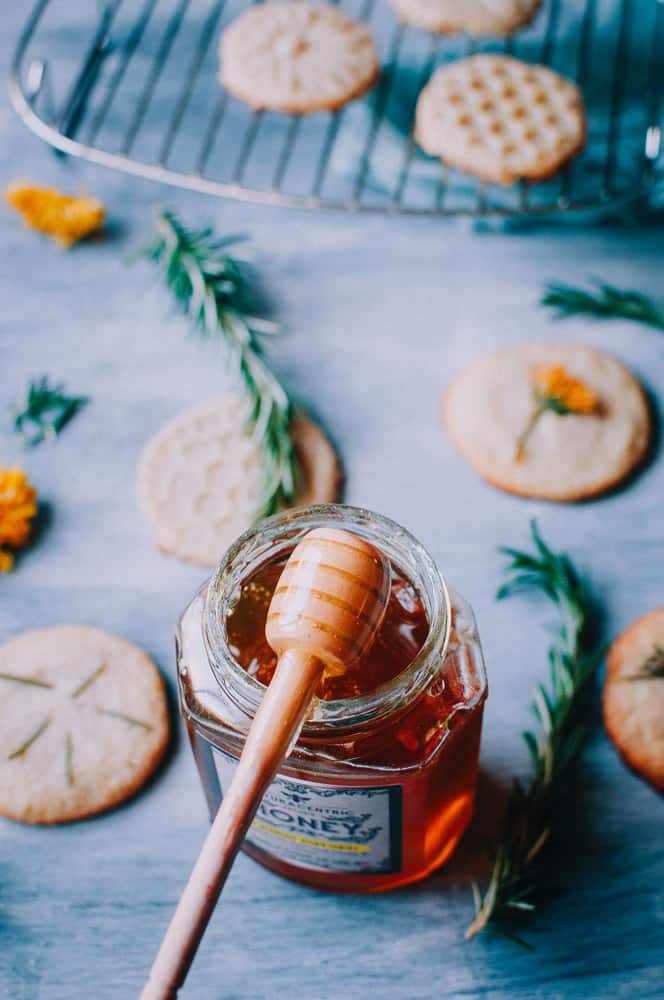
x: 381, y: 783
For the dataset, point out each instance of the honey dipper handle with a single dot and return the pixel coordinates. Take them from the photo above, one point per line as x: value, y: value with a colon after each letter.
x: 275, y: 727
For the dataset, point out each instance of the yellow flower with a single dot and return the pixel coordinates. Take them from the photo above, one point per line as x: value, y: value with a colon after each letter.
x: 18, y: 506
x: 556, y: 390
x: 64, y: 218
x: 6, y: 562
x: 561, y: 391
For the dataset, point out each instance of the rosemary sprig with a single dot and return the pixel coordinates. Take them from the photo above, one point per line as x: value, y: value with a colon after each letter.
x: 45, y: 410
x: 573, y: 660
x: 212, y: 288
x: 652, y: 668
x: 606, y: 301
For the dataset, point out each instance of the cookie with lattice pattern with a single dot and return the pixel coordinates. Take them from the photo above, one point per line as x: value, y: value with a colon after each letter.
x: 83, y: 723
x: 474, y: 17
x: 200, y: 478
x: 297, y: 57
x: 500, y: 119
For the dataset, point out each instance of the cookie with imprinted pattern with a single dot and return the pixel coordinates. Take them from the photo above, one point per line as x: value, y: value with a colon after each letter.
x: 199, y: 478
x: 500, y: 119
x: 474, y: 17
x: 297, y: 57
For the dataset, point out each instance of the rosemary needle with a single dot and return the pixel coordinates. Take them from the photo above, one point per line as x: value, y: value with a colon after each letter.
x: 604, y: 301
x: 212, y: 288
x: 652, y: 669
x: 25, y: 746
x: 560, y: 710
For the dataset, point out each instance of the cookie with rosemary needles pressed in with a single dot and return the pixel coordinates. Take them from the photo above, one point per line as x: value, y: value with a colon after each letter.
x: 297, y: 57
x: 83, y: 723
x: 200, y: 478
x: 556, y: 421
x: 633, y: 697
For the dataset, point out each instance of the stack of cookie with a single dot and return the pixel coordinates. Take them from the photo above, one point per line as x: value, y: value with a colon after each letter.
x: 489, y: 115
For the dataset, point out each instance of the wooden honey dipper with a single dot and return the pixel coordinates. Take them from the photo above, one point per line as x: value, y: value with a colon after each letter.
x: 325, y: 612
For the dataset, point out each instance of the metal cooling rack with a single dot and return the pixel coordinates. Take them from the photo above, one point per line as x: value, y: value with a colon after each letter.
x: 141, y: 94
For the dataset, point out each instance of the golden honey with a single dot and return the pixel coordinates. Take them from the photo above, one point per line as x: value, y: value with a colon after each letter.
x: 381, y: 783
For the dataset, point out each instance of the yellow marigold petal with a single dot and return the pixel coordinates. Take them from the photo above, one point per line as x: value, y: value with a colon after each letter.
x: 65, y: 218
x: 555, y: 383
x: 6, y: 562
x: 18, y: 507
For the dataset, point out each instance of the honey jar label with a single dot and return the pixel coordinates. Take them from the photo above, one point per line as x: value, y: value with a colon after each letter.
x: 331, y: 828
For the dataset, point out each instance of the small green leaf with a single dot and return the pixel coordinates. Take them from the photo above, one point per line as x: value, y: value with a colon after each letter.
x: 45, y: 411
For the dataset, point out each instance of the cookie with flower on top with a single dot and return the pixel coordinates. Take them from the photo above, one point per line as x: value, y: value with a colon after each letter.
x: 556, y: 421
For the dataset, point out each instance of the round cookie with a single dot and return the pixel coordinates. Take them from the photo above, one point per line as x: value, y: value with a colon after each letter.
x: 500, y: 119
x: 296, y: 57
x: 633, y: 697
x: 83, y: 723
x: 487, y: 407
x: 199, y: 478
x: 474, y: 17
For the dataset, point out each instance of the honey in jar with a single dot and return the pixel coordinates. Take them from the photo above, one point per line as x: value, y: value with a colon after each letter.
x: 381, y: 782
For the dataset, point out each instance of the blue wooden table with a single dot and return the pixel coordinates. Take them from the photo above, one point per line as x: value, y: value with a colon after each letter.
x: 378, y: 314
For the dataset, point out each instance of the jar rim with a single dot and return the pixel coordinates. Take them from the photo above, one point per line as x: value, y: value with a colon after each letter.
x: 280, y: 533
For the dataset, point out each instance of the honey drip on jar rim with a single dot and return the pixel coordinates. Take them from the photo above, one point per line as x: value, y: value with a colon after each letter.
x: 400, y: 638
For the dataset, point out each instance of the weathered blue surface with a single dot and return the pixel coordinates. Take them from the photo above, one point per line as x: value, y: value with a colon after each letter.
x: 379, y: 313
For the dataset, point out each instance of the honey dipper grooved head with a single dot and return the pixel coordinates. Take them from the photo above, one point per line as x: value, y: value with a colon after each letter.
x: 331, y: 598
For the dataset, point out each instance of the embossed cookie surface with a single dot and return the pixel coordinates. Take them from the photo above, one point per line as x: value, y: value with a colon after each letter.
x: 83, y: 723
x: 297, y: 57
x: 633, y: 698
x: 475, y: 17
x: 489, y: 404
x: 199, y: 478
x: 500, y: 119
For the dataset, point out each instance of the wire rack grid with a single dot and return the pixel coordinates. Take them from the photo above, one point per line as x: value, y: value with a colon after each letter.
x: 141, y: 94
